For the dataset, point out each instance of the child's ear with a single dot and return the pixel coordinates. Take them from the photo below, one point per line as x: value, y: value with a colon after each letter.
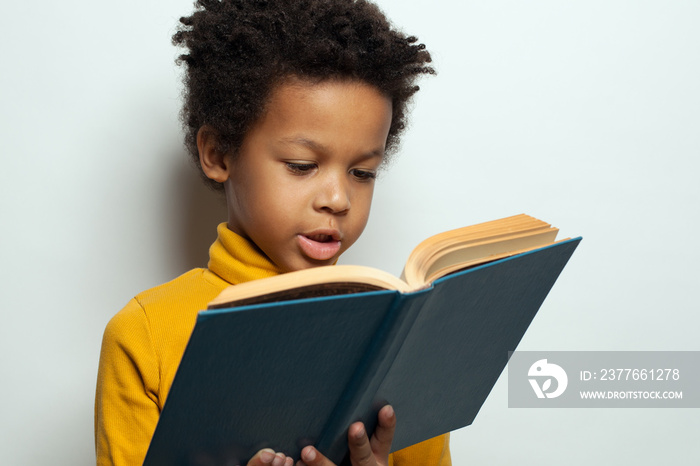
x: 215, y: 164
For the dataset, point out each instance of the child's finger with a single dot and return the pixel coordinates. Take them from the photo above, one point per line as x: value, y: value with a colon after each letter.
x: 361, y: 453
x: 312, y: 457
x: 384, y: 433
x: 268, y: 457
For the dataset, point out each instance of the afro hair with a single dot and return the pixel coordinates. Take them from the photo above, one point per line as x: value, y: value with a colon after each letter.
x: 239, y: 50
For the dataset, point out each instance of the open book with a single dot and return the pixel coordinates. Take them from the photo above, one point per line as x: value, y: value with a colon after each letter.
x: 270, y: 366
x: 433, y: 258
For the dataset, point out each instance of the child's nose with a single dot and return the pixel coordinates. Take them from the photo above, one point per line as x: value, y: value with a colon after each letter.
x: 333, y: 196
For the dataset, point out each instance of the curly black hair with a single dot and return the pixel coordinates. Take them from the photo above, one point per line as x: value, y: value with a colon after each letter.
x: 238, y: 50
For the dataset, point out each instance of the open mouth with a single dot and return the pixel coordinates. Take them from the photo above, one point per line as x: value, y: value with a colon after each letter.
x: 321, y: 238
x: 320, y: 247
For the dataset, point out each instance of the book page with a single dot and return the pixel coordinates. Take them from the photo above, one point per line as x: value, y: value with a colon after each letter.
x: 318, y: 281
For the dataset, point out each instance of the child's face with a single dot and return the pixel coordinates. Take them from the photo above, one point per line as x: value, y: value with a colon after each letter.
x: 301, y: 184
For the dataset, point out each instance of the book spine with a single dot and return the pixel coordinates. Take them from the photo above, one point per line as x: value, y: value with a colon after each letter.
x: 358, y: 402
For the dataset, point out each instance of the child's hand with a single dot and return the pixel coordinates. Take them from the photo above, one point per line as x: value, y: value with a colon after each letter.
x: 268, y: 457
x: 363, y: 451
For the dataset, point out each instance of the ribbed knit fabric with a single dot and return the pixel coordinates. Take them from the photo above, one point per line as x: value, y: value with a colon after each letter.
x: 435, y: 451
x: 143, y: 344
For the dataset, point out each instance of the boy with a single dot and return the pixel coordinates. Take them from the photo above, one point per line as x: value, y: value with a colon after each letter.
x: 290, y: 106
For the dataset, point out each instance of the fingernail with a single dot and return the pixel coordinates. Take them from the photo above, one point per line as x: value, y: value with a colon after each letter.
x: 360, y: 433
x: 309, y: 454
x: 390, y: 410
x: 266, y: 456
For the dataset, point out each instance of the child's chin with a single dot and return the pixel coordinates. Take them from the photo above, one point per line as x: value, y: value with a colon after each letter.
x: 305, y: 262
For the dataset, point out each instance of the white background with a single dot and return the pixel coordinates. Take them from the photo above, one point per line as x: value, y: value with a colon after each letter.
x: 584, y: 114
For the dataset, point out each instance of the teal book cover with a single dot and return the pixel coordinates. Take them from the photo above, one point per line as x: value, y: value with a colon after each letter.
x: 290, y: 374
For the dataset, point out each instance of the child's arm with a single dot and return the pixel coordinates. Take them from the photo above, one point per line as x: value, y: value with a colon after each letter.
x: 126, y: 402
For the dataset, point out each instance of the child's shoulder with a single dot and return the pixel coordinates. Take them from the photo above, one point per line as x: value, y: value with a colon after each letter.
x: 165, y: 308
x: 194, y: 288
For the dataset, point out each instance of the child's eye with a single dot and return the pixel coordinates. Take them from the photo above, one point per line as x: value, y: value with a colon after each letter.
x: 300, y: 168
x: 363, y: 175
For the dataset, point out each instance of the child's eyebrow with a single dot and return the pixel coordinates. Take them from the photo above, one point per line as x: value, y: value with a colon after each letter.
x: 311, y: 144
x: 318, y: 147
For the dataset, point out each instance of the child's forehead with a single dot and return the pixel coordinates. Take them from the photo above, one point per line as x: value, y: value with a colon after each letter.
x: 297, y: 99
x: 321, y: 115
x: 329, y: 89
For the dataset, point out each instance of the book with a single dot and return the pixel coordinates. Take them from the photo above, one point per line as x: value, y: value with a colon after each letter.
x: 293, y: 360
x: 433, y: 258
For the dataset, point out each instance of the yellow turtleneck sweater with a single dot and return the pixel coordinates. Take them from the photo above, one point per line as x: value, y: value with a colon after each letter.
x: 143, y: 344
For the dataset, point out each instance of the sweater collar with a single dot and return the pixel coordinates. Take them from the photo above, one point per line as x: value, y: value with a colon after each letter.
x: 238, y: 260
